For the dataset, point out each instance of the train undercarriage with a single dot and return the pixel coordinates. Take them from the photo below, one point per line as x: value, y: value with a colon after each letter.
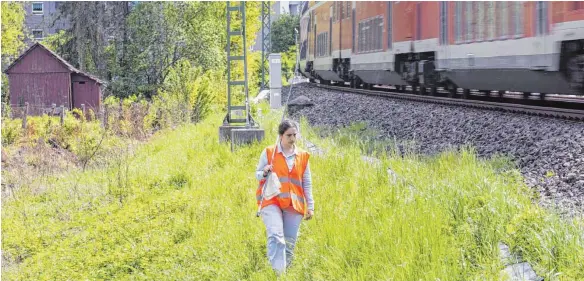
x: 418, y: 73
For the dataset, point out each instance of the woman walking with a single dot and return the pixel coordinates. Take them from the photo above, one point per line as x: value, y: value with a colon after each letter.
x: 283, y: 213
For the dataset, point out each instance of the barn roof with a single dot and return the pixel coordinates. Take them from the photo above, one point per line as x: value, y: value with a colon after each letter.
x: 59, y: 58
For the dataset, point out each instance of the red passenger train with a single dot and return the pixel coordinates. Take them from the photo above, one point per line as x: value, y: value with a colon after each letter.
x: 529, y: 47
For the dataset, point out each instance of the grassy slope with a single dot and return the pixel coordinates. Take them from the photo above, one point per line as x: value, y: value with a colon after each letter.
x: 183, y: 208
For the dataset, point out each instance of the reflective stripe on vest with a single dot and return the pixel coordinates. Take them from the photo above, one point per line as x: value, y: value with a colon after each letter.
x: 286, y: 195
x: 293, y: 181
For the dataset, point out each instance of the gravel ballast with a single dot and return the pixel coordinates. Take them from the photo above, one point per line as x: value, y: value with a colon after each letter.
x: 549, y: 152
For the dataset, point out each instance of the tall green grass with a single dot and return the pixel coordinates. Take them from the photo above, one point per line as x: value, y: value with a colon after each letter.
x: 182, y: 207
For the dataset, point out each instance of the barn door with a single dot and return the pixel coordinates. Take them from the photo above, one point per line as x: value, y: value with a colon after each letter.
x: 82, y: 94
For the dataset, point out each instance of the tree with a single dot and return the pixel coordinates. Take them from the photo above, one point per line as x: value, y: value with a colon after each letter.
x: 12, y: 38
x: 12, y: 30
x: 135, y: 47
x: 283, y: 32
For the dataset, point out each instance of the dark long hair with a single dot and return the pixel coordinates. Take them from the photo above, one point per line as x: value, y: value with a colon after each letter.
x: 285, y: 125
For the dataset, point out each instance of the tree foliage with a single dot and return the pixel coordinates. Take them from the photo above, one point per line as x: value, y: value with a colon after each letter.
x: 136, y: 47
x: 12, y: 39
x: 12, y: 30
x: 283, y: 32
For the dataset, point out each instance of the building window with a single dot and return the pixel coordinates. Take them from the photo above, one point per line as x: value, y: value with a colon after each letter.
x: 518, y: 16
x: 37, y: 8
x: 37, y: 34
x: 293, y: 9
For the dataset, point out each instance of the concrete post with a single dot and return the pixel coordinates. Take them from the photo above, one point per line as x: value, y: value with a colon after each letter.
x: 275, y: 81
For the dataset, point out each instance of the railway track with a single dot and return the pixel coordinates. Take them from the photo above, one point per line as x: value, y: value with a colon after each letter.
x: 571, y: 110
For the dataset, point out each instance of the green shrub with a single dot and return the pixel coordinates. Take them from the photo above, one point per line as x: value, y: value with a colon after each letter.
x: 11, y: 131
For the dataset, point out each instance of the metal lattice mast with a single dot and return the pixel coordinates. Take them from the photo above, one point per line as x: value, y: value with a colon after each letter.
x: 230, y: 58
x: 266, y: 41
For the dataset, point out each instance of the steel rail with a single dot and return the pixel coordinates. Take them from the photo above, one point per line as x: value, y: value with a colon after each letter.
x: 554, y: 112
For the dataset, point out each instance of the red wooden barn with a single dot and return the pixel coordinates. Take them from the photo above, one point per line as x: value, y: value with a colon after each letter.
x: 42, y: 78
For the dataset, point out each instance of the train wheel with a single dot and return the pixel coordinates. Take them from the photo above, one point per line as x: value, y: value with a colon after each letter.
x: 452, y: 90
x: 356, y: 82
x: 433, y: 91
x: 311, y: 80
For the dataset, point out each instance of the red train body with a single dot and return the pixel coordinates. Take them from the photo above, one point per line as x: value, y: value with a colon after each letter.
x: 487, y: 46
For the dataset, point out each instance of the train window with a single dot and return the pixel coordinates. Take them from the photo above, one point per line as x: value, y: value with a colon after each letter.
x: 518, y: 18
x: 333, y: 11
x: 358, y: 37
x: 362, y: 37
x: 318, y: 42
x: 371, y: 32
x: 504, y: 19
x: 348, y: 8
x: 327, y: 50
x: 443, y: 13
x: 380, y: 27
x: 458, y: 22
x: 577, y: 5
x: 389, y: 18
x: 375, y: 31
x: 375, y: 34
x: 491, y: 20
x: 419, y: 21
x: 365, y: 36
x: 541, y: 17
x: 480, y: 26
x: 469, y: 21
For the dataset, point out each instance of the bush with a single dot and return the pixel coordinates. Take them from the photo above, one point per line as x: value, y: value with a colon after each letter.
x: 11, y: 130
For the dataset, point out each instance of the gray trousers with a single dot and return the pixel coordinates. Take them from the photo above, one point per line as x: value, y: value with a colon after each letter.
x: 282, y: 230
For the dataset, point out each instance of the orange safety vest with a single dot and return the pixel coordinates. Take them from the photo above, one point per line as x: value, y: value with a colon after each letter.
x: 291, y: 192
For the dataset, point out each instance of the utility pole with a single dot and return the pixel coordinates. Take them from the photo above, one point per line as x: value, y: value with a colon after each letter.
x: 266, y: 41
x: 232, y: 128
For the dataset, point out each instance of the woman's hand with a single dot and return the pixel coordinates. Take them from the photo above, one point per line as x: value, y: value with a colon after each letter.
x: 267, y: 169
x: 309, y: 215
